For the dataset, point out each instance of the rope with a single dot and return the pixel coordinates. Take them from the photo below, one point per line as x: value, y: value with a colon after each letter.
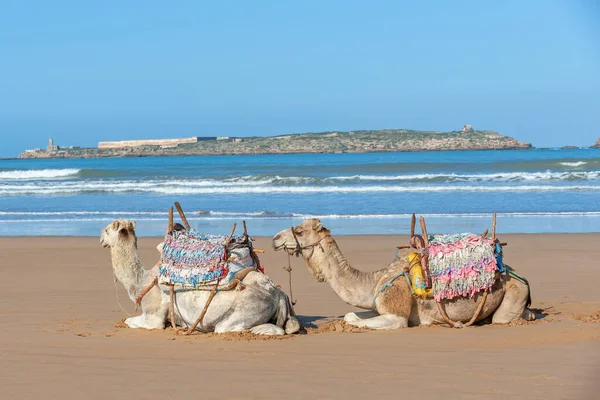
x: 459, y: 324
x: 390, y: 284
x: 119, y: 302
x: 212, y: 294
x: 138, y: 299
x: 518, y: 277
x: 289, y: 270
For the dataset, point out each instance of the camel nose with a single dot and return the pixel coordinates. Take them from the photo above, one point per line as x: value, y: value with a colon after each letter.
x: 276, y: 239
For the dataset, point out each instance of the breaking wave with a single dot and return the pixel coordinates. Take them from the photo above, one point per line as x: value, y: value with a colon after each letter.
x: 192, y: 188
x: 28, y: 174
x: 63, y: 216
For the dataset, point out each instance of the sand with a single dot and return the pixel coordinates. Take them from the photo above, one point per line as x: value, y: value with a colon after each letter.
x: 60, y: 337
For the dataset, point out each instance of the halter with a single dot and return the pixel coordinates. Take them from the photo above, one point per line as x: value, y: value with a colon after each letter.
x: 299, y: 248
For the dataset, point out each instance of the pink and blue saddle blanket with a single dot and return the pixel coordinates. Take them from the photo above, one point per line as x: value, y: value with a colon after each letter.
x: 193, y: 260
x: 463, y: 264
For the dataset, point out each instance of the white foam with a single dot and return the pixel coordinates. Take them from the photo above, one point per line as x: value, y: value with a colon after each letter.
x: 495, y: 177
x: 88, y: 216
x: 38, y: 173
x: 73, y: 188
x: 573, y: 164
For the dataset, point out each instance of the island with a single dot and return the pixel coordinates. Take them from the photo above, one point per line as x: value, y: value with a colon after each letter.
x: 362, y: 141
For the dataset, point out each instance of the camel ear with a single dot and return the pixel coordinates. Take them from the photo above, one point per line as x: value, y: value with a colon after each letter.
x: 115, y: 225
x: 319, y: 227
x: 132, y: 225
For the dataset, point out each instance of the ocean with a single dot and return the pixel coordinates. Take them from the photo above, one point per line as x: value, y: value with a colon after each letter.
x: 533, y: 191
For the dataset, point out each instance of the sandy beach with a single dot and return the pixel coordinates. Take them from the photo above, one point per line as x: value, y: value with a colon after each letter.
x: 59, y: 337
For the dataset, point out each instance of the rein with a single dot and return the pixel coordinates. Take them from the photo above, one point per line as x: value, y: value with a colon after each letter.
x: 297, y: 251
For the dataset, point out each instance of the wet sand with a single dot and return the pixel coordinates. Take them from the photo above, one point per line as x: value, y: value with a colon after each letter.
x: 59, y: 337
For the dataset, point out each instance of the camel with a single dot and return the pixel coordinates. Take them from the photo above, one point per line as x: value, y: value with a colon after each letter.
x: 261, y: 307
x: 393, y: 307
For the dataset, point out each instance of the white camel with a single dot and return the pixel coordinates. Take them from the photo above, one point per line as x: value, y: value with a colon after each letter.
x: 393, y: 307
x: 261, y: 307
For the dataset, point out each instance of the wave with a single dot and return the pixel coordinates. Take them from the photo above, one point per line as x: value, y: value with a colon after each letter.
x: 55, y: 213
x: 168, y: 188
x: 29, y: 174
x: 87, y: 216
x: 495, y: 177
x: 574, y: 164
x: 102, y: 177
x: 258, y: 180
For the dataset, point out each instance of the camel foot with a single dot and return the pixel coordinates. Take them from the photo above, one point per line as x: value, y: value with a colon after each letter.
x: 145, y: 322
x: 528, y: 315
x: 458, y: 325
x: 267, y: 329
x: 292, y: 325
x: 135, y: 322
x: 386, y: 321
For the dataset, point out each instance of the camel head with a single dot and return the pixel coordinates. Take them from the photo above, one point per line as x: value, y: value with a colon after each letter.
x: 120, y: 232
x: 302, y: 237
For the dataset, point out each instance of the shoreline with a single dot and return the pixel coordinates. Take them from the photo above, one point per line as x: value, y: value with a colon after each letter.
x: 274, y: 153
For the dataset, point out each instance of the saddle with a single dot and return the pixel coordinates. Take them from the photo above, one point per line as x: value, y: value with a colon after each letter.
x: 192, y: 260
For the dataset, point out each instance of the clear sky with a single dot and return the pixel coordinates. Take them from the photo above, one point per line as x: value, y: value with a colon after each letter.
x: 111, y: 70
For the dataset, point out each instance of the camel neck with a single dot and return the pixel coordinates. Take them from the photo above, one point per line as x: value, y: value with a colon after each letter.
x: 127, y: 268
x: 355, y: 287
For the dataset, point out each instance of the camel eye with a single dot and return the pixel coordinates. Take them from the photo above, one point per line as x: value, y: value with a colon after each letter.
x: 299, y: 233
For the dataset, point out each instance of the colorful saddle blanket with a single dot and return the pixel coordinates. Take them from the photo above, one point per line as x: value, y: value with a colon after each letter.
x: 461, y: 264
x: 193, y: 259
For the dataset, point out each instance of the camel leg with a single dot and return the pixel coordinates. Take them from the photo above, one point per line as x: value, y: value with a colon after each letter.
x: 357, y: 316
x: 386, y: 321
x: 513, y: 304
x: 146, y: 322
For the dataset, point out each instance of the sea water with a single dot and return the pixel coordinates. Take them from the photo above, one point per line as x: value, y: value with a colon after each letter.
x: 533, y: 191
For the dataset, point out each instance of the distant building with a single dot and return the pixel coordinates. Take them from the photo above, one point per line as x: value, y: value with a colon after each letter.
x: 467, y: 128
x: 151, y: 142
x: 238, y: 140
x: 51, y: 145
x: 223, y: 138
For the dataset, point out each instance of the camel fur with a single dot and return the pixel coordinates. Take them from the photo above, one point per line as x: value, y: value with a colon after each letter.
x: 261, y: 307
x: 395, y: 307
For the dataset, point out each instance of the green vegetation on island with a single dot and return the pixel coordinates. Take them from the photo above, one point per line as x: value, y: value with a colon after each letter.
x: 385, y: 140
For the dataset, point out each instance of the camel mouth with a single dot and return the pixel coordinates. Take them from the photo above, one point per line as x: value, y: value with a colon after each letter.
x: 105, y: 245
x: 283, y: 246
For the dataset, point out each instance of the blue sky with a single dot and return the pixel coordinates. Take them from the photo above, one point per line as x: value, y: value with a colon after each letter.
x: 84, y: 72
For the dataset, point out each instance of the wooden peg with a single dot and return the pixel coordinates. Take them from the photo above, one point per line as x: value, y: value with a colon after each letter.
x: 485, y: 233
x: 413, y: 221
x: 182, y: 216
x: 230, y: 235
x: 424, y: 230
x: 245, y: 230
x: 170, y: 225
x: 494, y: 227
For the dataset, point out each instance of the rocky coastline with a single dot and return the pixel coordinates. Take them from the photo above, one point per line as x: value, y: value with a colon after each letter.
x: 388, y: 140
